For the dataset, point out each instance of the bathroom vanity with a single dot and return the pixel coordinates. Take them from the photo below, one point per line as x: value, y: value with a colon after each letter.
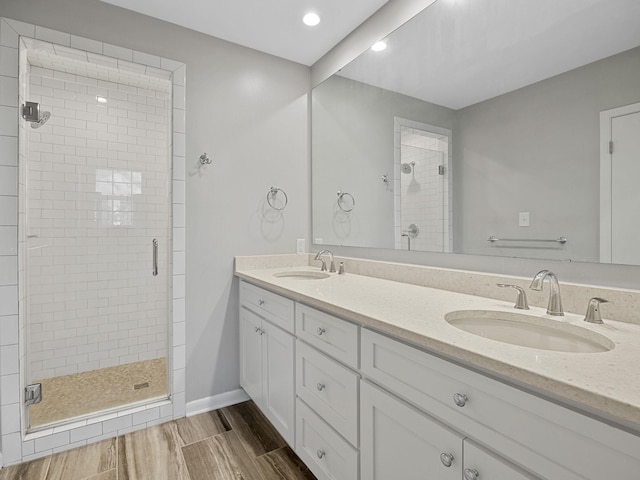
x: 364, y: 378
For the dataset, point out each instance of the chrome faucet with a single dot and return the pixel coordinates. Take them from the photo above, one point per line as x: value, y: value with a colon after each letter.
x: 332, y: 267
x: 521, y: 301
x: 593, y: 310
x: 555, y: 302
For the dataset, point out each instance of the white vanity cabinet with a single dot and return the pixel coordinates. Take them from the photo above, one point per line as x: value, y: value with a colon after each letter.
x: 267, y: 356
x: 358, y: 404
x: 399, y: 441
x: 549, y: 440
x: 327, y: 389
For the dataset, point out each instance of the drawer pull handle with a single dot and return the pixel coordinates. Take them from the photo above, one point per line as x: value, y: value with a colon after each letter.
x: 446, y: 459
x: 460, y: 399
x: 261, y: 302
x: 320, y: 453
x: 321, y: 330
x: 320, y: 386
x: 471, y: 474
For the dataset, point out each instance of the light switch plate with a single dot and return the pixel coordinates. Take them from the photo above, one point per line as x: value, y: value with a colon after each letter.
x: 523, y: 219
x: 300, y: 245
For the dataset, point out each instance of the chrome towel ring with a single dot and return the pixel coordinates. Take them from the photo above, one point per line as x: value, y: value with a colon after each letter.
x: 271, y: 198
x: 343, y: 203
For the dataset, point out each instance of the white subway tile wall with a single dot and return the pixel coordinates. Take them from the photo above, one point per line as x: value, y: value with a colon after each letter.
x: 422, y: 196
x: 106, y: 203
x: 97, y: 196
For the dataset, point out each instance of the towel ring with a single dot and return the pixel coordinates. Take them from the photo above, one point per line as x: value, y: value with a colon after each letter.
x: 271, y: 195
x: 340, y: 199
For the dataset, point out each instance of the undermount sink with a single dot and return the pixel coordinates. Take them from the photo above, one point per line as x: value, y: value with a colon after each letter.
x: 529, y: 331
x: 302, y: 275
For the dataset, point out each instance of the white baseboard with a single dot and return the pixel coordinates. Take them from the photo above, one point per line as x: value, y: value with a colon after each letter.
x: 216, y: 401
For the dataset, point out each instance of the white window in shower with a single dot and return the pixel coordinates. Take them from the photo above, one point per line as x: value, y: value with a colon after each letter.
x: 116, y: 205
x: 422, y: 186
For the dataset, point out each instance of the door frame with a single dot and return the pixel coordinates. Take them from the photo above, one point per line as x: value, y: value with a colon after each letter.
x: 398, y: 123
x: 606, y: 118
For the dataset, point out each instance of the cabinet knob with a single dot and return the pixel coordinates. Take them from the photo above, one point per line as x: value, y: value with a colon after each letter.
x: 320, y: 386
x: 471, y: 474
x: 460, y: 399
x: 446, y: 459
x: 321, y: 330
x: 256, y: 329
x: 320, y: 453
x: 261, y: 302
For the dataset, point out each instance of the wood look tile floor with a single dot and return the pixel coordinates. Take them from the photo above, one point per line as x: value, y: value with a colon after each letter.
x: 233, y: 443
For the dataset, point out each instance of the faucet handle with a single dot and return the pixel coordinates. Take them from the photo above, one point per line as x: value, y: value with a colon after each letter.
x: 521, y: 301
x: 593, y: 310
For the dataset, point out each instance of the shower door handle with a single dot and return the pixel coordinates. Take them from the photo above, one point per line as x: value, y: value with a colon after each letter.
x: 155, y: 257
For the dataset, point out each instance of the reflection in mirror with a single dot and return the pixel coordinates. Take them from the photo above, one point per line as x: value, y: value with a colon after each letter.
x: 508, y: 111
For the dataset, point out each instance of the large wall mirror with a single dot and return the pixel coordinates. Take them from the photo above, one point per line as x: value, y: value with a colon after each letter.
x: 487, y: 127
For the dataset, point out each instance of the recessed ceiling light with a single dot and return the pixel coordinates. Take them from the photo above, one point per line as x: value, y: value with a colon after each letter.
x: 379, y: 46
x: 311, y: 19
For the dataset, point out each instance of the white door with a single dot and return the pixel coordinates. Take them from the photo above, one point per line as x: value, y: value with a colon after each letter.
x: 278, y: 379
x: 619, y: 200
x: 399, y: 442
x: 251, y: 354
x: 480, y: 464
x: 625, y: 200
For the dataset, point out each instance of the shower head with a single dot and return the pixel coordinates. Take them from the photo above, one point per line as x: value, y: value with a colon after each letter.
x: 44, y: 117
x: 407, y: 167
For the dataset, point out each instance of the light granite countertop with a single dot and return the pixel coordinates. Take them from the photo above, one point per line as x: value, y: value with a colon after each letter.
x: 603, y: 384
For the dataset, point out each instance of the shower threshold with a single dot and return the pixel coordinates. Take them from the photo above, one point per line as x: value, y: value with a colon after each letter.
x: 71, y: 398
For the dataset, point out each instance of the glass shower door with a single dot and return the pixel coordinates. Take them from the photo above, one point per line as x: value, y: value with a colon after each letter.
x: 97, y: 226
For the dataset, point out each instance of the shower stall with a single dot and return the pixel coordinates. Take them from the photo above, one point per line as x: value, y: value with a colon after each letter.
x: 95, y: 220
x: 423, y: 181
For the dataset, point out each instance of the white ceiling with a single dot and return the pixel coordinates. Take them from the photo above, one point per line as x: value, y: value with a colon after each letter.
x: 460, y: 52
x: 273, y: 27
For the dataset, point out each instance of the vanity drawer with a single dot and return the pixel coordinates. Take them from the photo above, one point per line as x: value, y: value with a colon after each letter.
x: 327, y: 454
x: 332, y: 335
x: 273, y: 307
x: 542, y: 436
x: 329, y: 388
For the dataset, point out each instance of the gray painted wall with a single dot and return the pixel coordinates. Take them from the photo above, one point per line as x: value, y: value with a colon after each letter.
x: 537, y: 150
x: 248, y: 111
x: 352, y: 147
x: 534, y: 150
x: 377, y: 26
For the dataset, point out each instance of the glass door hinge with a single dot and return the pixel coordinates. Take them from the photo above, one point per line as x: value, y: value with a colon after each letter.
x: 33, y: 394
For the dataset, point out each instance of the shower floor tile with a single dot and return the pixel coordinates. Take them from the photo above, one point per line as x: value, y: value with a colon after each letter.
x: 233, y: 442
x: 83, y: 393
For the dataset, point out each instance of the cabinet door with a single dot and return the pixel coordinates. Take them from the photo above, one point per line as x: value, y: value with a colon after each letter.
x: 278, y: 360
x: 399, y: 442
x: 251, y: 354
x: 480, y: 463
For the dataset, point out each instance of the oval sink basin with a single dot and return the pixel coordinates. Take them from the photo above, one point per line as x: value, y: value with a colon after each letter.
x: 529, y: 331
x: 302, y: 275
